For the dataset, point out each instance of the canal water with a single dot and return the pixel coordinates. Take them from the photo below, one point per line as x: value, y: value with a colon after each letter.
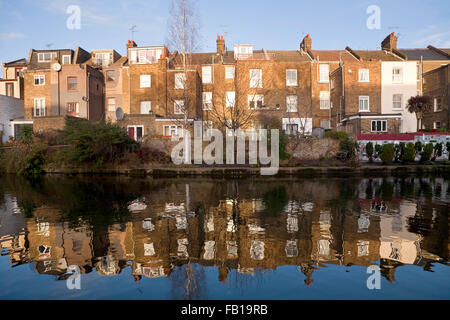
x: 143, y: 238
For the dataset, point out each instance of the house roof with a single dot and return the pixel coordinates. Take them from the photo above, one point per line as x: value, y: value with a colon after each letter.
x: 376, y: 55
x: 427, y: 54
x: 332, y: 55
x: 20, y: 62
x: 288, y: 55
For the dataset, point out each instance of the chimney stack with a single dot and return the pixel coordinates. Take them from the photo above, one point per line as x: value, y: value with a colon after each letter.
x: 220, y: 45
x: 306, y: 43
x: 131, y: 44
x: 390, y: 42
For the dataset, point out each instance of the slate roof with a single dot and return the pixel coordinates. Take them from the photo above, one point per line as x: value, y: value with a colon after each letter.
x: 376, y: 55
x: 333, y: 55
x: 20, y: 62
x: 427, y: 54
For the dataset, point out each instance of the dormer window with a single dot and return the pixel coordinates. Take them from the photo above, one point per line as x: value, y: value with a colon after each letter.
x: 243, y: 51
x: 145, y: 55
x: 46, y: 56
x: 102, y: 59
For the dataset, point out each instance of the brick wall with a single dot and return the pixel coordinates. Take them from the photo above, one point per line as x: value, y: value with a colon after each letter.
x: 436, y: 85
x: 48, y: 123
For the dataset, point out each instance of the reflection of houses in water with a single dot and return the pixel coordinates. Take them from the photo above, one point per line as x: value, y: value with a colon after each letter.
x: 239, y: 234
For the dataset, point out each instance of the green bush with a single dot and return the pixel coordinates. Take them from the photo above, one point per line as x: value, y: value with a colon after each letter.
x: 399, y: 150
x: 387, y: 153
x: 448, y: 149
x: 426, y: 153
x: 418, y: 147
x: 95, y: 142
x: 349, y: 146
x: 409, y: 153
x: 338, y: 135
x: 378, y: 150
x: 437, y: 151
x: 26, y: 159
x: 369, y: 151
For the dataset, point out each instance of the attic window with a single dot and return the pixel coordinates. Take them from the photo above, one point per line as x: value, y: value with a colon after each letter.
x: 66, y: 59
x: 46, y: 56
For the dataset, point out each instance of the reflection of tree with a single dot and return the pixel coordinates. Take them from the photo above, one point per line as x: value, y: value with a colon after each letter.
x: 275, y: 200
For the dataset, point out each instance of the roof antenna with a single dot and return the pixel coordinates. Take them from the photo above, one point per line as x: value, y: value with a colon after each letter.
x: 49, y: 45
x: 133, y: 30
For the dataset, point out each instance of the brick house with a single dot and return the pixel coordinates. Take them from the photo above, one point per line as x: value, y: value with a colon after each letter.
x: 370, y: 92
x: 436, y: 84
x: 59, y: 83
x: 11, y: 84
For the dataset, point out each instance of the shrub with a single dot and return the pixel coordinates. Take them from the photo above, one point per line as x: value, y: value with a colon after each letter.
x: 448, y: 149
x: 26, y: 159
x: 338, y: 135
x: 369, y: 151
x: 437, y: 151
x: 409, y: 153
x: 387, y: 153
x: 418, y: 147
x: 399, y: 149
x: 95, y: 142
x: 426, y: 153
x: 349, y: 146
x: 378, y: 150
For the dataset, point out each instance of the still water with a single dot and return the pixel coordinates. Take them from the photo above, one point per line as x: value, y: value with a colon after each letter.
x: 143, y: 238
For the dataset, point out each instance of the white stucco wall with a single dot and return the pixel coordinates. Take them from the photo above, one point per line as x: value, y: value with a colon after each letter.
x: 10, y: 108
x: 407, y: 87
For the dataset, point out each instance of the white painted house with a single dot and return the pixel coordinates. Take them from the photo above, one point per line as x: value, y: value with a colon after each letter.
x: 10, y: 109
x: 398, y: 84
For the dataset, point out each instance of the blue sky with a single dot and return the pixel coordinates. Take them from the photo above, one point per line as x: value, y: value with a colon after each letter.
x: 281, y: 24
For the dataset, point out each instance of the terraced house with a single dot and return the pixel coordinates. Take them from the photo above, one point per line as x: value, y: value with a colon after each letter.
x: 153, y: 92
x: 59, y: 83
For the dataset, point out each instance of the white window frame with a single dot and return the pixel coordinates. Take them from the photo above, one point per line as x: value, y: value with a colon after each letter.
x: 397, y: 78
x: 328, y: 126
x: 291, y: 103
x: 324, y: 100
x: 146, y: 106
x: 178, y: 107
x: 324, y: 73
x: 206, y: 125
x: 41, y: 56
x: 40, y: 78
x: 173, y: 130
x: 206, y: 75
x: 111, y: 106
x: 376, y: 125
x: 255, y: 98
x: 180, y: 80
x: 363, y: 98
x: 229, y: 72
x: 394, y: 101
x: 39, y: 105
x: 363, y: 75
x: 145, y: 81
x: 135, y: 131
x: 293, y: 80
x: 66, y: 56
x: 435, y: 126
x: 436, y: 109
x: 255, y: 78
x: 207, y: 100
x: 230, y: 99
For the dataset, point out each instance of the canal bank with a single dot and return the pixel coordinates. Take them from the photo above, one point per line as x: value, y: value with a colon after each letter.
x: 242, y: 172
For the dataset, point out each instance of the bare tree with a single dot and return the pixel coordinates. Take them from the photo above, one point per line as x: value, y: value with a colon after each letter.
x: 183, y: 32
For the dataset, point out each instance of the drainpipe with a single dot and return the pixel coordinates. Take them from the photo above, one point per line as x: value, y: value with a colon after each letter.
x: 87, y: 94
x: 421, y: 75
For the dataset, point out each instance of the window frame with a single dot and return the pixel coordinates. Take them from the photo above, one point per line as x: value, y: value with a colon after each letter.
x: 394, y: 102
x: 143, y: 103
x: 176, y: 104
x: 40, y: 107
x: 360, y: 98
x: 109, y: 104
x: 145, y: 81
x: 42, y: 54
x: 294, y: 82
x: 363, y: 71
x: 207, y: 105
x: 65, y: 56
x: 39, y: 77
x: 76, y: 108
x: 435, y: 104
x: 258, y: 84
x: 68, y: 83
x: 205, y: 75
x: 324, y: 104
x: 135, y: 131
x: 255, y: 100
x: 227, y: 99
x: 180, y: 84
x: 108, y: 77
x: 289, y: 103
x: 227, y: 73
x: 400, y: 75
x: 376, y: 125
x: 323, y: 65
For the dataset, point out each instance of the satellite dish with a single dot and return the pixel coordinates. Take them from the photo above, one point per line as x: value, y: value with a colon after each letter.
x: 56, y: 66
x: 119, y: 114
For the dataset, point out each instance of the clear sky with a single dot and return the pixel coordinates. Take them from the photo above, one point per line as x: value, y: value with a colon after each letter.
x: 280, y: 24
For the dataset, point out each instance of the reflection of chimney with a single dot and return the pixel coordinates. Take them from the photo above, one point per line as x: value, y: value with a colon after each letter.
x: 390, y: 42
x: 220, y: 45
x: 306, y: 43
x: 131, y: 44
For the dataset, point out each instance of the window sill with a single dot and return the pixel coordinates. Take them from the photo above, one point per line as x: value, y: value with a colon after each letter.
x: 364, y: 111
x: 366, y: 81
x: 323, y: 81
